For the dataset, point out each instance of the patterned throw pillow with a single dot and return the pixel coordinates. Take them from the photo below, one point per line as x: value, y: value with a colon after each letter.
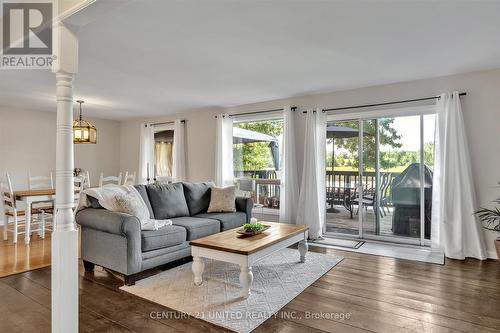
x: 222, y: 200
x: 129, y: 204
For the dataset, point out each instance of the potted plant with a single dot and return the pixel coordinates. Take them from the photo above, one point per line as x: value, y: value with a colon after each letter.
x: 491, y: 221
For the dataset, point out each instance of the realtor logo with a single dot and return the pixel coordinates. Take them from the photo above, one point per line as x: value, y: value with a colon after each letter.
x: 26, y: 34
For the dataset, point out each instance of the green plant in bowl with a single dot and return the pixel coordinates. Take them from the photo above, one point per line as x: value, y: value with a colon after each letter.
x: 253, y: 227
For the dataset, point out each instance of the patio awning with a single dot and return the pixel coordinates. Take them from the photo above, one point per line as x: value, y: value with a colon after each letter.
x: 342, y: 132
x: 241, y: 135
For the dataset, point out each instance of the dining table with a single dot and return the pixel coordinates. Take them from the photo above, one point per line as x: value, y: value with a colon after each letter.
x: 343, y: 193
x: 33, y: 196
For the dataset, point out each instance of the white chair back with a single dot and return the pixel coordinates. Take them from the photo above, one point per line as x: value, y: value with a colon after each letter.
x: 129, y: 178
x: 110, y: 180
x: 82, y: 181
x: 40, y: 182
x: 9, y: 202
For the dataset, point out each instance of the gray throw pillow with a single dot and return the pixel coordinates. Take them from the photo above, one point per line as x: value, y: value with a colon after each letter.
x: 197, y: 196
x: 144, y: 194
x: 167, y: 201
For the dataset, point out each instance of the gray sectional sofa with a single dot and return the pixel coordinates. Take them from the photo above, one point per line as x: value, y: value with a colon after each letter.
x: 116, y: 241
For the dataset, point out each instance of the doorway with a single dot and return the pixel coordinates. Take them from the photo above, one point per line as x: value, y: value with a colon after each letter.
x: 379, y: 175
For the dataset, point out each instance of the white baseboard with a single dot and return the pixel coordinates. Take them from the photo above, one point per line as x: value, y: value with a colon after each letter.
x: 492, y: 255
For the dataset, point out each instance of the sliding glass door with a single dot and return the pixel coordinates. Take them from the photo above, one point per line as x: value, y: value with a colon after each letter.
x: 342, y: 176
x: 379, y: 177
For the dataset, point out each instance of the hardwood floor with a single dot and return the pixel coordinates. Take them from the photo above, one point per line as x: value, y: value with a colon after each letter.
x: 17, y: 258
x: 380, y: 294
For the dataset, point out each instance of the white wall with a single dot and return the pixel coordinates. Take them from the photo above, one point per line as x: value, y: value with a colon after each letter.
x: 27, y: 142
x: 200, y: 142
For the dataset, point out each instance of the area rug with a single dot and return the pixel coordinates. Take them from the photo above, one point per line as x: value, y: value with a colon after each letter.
x: 278, y: 279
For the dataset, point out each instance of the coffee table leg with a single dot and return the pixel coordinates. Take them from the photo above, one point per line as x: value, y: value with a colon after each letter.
x: 246, y: 279
x: 197, y: 268
x: 303, y: 247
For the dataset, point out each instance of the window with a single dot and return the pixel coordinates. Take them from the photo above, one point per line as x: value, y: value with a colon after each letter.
x: 257, y: 162
x: 156, y: 153
x: 164, y: 141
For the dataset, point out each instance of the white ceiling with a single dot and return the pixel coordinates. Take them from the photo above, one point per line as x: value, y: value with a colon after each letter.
x: 157, y: 57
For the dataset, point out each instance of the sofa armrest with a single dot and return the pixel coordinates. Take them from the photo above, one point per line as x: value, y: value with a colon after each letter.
x: 245, y: 205
x: 110, y: 222
x: 111, y: 239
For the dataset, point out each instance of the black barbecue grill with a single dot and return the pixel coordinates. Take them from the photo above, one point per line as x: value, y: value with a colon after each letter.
x: 406, y: 201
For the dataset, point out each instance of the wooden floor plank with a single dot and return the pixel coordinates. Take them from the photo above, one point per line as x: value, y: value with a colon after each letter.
x: 466, y: 280
x: 19, y: 313
x: 89, y: 321
x: 416, y: 283
x: 414, y: 310
x: 447, y: 305
x: 381, y: 295
x: 372, y: 319
x: 18, y: 258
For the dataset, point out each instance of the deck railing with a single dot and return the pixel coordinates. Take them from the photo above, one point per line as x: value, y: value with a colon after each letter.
x: 269, y: 185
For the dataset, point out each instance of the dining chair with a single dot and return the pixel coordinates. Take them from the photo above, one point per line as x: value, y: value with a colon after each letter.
x: 129, y: 178
x: 110, y: 180
x: 13, y: 214
x: 80, y: 183
x: 41, y: 182
x: 385, y: 197
x: 370, y: 199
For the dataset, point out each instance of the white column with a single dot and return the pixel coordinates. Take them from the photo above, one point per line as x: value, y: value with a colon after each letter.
x: 64, y: 153
x: 65, y: 235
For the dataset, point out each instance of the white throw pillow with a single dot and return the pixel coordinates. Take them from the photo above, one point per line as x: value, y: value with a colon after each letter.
x: 129, y: 203
x: 222, y: 200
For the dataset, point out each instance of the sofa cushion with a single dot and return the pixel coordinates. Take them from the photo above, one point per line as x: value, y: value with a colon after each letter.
x: 197, y: 196
x: 144, y: 195
x: 227, y: 220
x: 167, y: 236
x: 197, y: 227
x: 167, y: 200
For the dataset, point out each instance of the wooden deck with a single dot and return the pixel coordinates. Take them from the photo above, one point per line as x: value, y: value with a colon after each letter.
x: 380, y: 295
x: 342, y: 222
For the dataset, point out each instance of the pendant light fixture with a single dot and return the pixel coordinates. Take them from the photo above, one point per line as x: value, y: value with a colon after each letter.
x: 83, y: 131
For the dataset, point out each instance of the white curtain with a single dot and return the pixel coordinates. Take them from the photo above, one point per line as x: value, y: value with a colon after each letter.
x: 146, y: 153
x: 312, y: 198
x: 179, y: 152
x: 163, y: 159
x: 455, y: 229
x: 289, y: 188
x: 224, y: 175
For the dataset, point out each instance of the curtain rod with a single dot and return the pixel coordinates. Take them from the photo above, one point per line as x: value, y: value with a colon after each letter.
x: 257, y: 112
x: 163, y: 123
x: 386, y: 103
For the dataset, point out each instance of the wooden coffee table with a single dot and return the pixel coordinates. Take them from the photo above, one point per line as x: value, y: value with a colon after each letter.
x: 229, y: 246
